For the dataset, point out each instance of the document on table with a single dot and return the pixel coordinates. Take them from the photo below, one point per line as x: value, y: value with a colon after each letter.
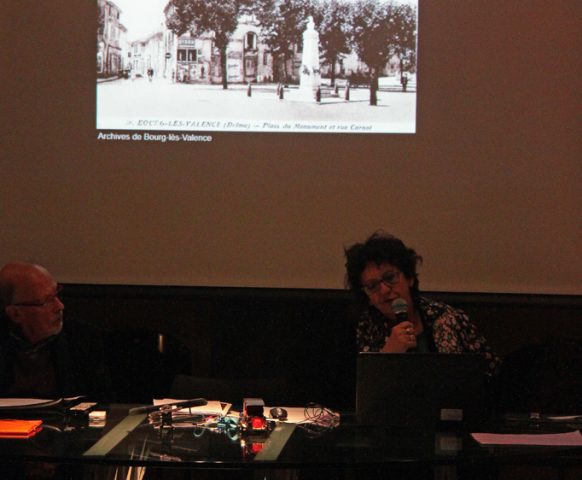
x: 294, y: 414
x: 568, y: 439
x: 27, y: 403
x: 564, y: 418
x: 213, y: 407
x: 311, y: 415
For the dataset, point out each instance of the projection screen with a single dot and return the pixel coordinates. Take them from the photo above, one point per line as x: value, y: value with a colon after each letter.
x: 475, y: 162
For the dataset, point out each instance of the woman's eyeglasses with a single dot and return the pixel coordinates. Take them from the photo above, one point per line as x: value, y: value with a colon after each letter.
x: 388, y: 278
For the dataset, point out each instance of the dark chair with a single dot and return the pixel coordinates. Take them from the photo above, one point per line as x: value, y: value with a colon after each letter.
x: 544, y: 378
x: 143, y: 364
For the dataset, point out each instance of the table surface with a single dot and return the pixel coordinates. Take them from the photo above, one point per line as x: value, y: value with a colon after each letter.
x: 131, y: 440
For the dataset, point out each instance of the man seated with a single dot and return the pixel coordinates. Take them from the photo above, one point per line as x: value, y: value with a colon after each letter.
x: 41, y: 356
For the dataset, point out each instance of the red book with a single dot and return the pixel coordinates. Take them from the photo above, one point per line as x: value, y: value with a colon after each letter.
x: 19, y: 428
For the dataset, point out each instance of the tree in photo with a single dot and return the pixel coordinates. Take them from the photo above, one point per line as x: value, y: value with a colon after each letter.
x: 332, y: 19
x: 373, y: 38
x: 282, y: 24
x: 405, y: 41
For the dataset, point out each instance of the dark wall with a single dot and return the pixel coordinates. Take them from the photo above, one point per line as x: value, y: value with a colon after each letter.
x: 303, y: 337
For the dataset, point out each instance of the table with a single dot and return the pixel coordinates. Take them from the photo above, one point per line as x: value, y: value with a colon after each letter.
x: 349, y: 450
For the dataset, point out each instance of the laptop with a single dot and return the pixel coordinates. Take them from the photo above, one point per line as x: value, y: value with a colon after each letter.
x: 421, y: 390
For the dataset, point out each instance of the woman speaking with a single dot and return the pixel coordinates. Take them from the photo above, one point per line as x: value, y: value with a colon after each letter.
x: 381, y: 272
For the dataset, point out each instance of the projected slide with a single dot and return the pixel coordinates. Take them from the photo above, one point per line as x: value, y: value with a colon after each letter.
x: 340, y: 66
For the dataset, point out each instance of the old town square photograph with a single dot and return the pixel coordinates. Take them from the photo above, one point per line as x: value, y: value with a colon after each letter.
x: 257, y: 65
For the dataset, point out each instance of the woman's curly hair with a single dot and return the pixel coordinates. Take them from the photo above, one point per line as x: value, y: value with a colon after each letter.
x: 380, y: 248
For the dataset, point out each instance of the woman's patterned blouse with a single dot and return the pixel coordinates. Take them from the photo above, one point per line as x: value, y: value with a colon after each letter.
x: 449, y: 330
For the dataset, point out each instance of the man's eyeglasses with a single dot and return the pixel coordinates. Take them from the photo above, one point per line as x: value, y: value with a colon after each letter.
x: 50, y: 300
x: 389, y: 279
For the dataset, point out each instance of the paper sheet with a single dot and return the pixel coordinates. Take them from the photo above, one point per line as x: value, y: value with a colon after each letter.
x: 294, y: 414
x: 213, y: 407
x: 568, y: 439
x: 22, y: 403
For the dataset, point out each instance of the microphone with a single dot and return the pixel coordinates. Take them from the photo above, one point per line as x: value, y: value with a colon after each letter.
x: 195, y: 402
x: 400, y: 309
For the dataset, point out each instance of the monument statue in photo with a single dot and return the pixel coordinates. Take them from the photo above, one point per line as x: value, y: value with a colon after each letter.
x: 310, y: 79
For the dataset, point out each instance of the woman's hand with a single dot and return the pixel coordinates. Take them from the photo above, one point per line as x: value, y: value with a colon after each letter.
x: 401, y: 339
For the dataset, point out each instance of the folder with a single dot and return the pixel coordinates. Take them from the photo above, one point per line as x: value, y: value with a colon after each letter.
x: 11, y: 428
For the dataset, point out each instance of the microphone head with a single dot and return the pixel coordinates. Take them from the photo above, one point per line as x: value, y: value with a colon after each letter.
x: 400, y: 309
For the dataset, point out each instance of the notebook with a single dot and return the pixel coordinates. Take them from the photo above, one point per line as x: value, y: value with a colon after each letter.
x: 19, y: 428
x: 421, y: 390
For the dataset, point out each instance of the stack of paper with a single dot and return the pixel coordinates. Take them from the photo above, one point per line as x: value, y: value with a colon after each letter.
x: 213, y: 407
x: 568, y: 439
x: 27, y: 403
